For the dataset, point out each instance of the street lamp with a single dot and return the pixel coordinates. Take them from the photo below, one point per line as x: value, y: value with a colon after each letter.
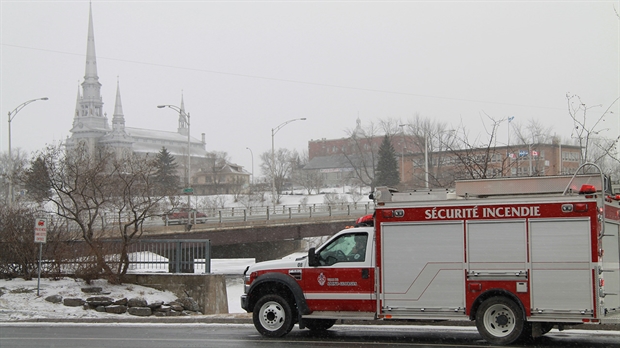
x: 273, y: 158
x: 402, y: 153
x: 12, y: 115
x: 188, y: 189
x: 426, y: 160
x: 252, y: 153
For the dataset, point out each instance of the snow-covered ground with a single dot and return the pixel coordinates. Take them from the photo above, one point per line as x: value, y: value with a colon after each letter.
x: 19, y: 298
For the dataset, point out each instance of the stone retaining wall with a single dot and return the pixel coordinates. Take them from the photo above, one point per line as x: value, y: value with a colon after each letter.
x: 209, y: 290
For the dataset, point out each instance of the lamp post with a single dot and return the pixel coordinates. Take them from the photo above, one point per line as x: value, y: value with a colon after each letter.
x: 12, y: 115
x: 426, y: 160
x: 252, y: 154
x: 188, y: 189
x: 273, y: 158
x: 402, y: 153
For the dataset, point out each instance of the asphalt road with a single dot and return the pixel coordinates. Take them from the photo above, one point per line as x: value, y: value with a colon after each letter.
x: 114, y: 335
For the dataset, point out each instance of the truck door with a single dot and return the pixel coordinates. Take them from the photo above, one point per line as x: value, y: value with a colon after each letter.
x: 344, y: 278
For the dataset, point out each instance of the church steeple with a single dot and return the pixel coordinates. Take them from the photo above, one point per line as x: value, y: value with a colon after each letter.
x: 91, y: 88
x: 183, y: 126
x: 118, y: 119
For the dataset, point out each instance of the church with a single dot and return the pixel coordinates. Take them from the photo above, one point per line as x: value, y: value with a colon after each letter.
x: 91, y: 126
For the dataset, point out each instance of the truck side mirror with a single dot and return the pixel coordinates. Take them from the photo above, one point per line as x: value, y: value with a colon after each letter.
x: 313, y: 259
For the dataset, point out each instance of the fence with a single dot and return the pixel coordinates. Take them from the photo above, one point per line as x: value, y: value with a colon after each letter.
x: 144, y: 256
x: 174, y: 256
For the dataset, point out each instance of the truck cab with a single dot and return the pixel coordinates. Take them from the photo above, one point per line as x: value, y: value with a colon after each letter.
x: 335, y: 280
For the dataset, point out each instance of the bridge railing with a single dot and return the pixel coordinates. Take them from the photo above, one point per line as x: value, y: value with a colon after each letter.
x: 288, y: 212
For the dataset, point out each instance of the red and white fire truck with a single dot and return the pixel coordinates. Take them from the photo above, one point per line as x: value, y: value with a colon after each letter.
x: 516, y: 255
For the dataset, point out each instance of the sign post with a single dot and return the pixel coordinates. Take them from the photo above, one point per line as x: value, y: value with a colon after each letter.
x: 40, y: 236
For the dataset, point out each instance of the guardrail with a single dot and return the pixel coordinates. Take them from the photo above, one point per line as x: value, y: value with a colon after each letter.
x: 288, y: 212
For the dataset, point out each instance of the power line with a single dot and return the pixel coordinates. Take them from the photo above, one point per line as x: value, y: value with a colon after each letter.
x: 291, y: 81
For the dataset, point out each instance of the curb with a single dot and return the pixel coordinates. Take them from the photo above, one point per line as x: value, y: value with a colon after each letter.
x: 246, y: 318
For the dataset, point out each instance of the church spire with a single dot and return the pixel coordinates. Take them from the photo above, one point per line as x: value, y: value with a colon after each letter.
x: 91, y: 88
x: 183, y: 126
x: 118, y: 119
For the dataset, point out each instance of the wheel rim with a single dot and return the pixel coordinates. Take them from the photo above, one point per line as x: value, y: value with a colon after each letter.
x: 499, y: 320
x: 272, y: 316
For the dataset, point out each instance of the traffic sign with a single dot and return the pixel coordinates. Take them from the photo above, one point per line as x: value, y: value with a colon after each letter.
x: 40, y: 230
x: 188, y: 191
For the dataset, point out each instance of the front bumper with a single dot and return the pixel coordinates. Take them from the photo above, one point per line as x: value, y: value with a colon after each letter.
x: 244, y: 302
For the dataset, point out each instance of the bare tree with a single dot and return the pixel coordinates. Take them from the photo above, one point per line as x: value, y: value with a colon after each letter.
x: 280, y: 170
x: 479, y: 158
x: 586, y: 131
x: 87, y: 186
x: 437, y: 138
x: 310, y: 180
x: 362, y: 152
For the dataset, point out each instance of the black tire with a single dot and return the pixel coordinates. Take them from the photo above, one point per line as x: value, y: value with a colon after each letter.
x: 319, y: 324
x: 272, y: 316
x: 500, y: 320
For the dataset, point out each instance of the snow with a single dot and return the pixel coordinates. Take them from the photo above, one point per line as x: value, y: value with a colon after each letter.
x: 19, y: 300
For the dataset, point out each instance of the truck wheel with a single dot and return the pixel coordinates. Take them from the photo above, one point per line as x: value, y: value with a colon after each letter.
x: 319, y: 324
x: 273, y: 316
x: 499, y: 320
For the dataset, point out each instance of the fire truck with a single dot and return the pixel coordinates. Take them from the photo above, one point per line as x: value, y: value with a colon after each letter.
x: 517, y: 256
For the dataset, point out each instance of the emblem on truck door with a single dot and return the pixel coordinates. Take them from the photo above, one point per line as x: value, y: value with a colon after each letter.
x: 322, y: 279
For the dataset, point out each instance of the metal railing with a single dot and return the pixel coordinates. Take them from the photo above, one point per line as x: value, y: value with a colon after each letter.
x: 173, y: 256
x: 143, y: 256
x: 318, y: 211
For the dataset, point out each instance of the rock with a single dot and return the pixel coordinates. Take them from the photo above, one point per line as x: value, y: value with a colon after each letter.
x: 136, y: 302
x: 174, y: 313
x: 176, y: 307
x: 163, y: 309
x: 92, y: 290
x: 73, y: 302
x: 189, y: 304
x: 122, y: 301
x: 99, y: 301
x: 100, y: 309
x: 116, y: 309
x: 161, y: 314
x: 139, y: 311
x: 54, y: 299
x: 155, y: 304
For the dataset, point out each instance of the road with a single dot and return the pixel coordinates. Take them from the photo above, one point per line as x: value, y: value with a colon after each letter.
x: 244, y: 335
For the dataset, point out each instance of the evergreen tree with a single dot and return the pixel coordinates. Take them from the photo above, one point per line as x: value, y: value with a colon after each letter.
x: 387, y: 168
x: 166, y: 177
x: 37, y: 180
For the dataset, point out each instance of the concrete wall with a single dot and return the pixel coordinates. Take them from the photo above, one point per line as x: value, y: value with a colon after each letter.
x: 260, y: 251
x: 209, y: 290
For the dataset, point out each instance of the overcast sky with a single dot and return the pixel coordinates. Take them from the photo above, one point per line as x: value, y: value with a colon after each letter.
x: 245, y: 67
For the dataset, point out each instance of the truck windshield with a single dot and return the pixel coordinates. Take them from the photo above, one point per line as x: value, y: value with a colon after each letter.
x: 346, y: 248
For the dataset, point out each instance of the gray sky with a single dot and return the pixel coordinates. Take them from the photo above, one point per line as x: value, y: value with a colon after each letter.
x: 245, y: 67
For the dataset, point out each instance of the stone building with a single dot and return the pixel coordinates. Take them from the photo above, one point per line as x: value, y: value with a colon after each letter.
x: 91, y: 126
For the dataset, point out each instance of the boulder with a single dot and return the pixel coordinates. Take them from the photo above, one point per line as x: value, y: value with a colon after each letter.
x: 155, y: 304
x: 92, y: 290
x: 122, y: 301
x: 54, y: 299
x: 139, y: 311
x: 99, y: 301
x: 116, y: 309
x: 136, y: 302
x: 189, y: 304
x: 100, y: 309
x: 72, y: 302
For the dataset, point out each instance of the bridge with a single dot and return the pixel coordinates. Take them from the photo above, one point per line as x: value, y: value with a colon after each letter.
x: 260, y: 239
